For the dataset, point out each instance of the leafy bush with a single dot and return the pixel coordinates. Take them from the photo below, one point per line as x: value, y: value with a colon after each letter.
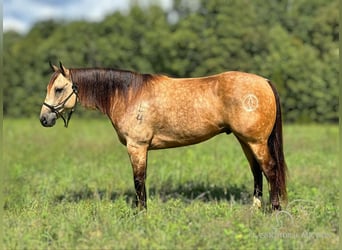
x: 293, y: 43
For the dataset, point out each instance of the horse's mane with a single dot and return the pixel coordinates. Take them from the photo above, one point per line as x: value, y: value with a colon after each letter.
x: 98, y: 86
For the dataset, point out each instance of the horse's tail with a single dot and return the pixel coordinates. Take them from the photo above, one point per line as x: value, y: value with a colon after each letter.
x: 275, y: 145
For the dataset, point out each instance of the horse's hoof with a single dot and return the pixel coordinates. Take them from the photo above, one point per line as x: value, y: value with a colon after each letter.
x: 276, y: 207
x: 256, y: 203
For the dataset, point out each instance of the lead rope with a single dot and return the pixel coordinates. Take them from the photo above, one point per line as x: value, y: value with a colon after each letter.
x: 75, y: 91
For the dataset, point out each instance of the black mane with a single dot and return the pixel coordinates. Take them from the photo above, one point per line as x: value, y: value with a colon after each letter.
x: 98, y: 86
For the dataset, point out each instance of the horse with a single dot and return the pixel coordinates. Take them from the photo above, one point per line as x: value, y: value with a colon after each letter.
x: 150, y: 111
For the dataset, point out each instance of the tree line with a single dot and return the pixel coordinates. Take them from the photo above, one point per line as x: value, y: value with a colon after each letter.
x: 292, y: 43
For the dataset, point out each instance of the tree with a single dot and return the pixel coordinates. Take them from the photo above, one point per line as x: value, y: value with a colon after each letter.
x: 293, y: 43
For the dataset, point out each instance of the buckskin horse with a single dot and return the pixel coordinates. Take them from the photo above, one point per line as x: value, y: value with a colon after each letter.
x: 156, y: 112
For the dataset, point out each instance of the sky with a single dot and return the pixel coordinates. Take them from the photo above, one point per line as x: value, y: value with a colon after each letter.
x: 20, y: 15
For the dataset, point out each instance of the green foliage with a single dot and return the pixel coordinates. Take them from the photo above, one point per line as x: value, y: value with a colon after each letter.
x: 293, y: 43
x: 73, y: 189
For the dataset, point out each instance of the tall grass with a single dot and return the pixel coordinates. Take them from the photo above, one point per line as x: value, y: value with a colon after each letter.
x: 73, y: 189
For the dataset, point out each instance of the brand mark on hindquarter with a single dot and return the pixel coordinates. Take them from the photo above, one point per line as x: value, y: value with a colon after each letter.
x: 250, y: 102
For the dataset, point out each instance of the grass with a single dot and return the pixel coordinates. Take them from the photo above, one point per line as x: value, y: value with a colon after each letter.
x: 73, y: 189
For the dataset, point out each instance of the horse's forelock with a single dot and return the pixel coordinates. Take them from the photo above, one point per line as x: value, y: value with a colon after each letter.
x: 53, y: 79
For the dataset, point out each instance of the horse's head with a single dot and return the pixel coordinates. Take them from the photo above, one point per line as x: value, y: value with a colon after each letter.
x: 61, y: 96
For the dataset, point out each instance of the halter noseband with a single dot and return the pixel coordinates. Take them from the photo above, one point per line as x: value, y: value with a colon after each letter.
x: 56, y: 108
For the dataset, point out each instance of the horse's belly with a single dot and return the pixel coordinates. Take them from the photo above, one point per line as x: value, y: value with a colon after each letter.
x: 179, y: 138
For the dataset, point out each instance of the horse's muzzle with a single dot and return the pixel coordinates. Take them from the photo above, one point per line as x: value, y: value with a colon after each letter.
x: 48, y: 119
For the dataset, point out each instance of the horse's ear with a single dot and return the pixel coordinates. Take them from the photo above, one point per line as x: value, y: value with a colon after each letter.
x: 65, y: 71
x: 53, y: 67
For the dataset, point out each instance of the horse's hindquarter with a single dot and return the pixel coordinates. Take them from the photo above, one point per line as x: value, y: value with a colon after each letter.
x: 250, y: 107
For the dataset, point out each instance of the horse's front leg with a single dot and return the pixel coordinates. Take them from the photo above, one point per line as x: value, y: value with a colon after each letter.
x: 138, y: 156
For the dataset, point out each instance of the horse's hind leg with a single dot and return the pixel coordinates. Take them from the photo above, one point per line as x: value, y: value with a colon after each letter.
x: 257, y: 174
x: 267, y: 164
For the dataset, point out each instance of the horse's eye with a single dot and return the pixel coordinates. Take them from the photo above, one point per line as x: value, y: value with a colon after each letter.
x: 58, y: 90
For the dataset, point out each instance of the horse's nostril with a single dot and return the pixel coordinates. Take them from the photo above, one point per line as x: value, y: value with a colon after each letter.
x: 43, y: 121
x: 48, y: 120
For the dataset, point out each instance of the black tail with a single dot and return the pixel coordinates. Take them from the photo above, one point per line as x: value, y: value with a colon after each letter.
x: 275, y: 145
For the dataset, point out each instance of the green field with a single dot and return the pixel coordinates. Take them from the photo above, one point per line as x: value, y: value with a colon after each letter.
x: 73, y: 189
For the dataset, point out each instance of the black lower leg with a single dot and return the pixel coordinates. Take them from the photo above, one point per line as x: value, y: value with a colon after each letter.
x: 140, y: 191
x: 257, y: 192
x: 275, y: 199
x: 257, y: 184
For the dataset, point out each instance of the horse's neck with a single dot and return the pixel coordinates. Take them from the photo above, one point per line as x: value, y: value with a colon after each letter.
x: 106, y: 89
